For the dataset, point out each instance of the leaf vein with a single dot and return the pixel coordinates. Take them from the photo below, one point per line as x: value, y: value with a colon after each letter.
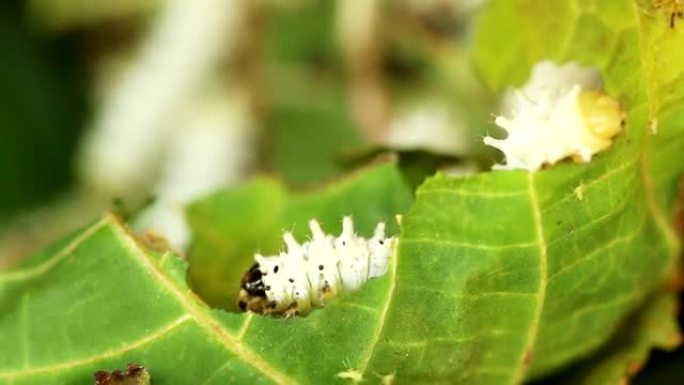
x: 466, y: 245
x: 245, y: 326
x: 161, y: 332
x: 358, y: 306
x: 459, y: 340
x: 48, y: 264
x: 591, y: 183
x: 590, y: 256
x: 481, y: 194
x: 618, y: 210
x: 383, y: 314
x: 543, y: 262
x: 470, y: 295
x: 210, y: 325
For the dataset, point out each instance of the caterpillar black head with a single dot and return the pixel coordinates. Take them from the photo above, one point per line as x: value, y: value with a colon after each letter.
x: 252, y: 291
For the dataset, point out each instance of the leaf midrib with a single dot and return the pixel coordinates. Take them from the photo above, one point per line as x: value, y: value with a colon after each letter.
x: 385, y: 310
x: 190, y: 305
x: 649, y: 191
x: 47, y: 265
x: 543, y: 280
x: 208, y: 323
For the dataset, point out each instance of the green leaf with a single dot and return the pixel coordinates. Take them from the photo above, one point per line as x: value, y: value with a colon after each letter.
x: 102, y: 301
x: 530, y: 272
x: 311, y: 127
x: 498, y: 278
x: 229, y: 226
x: 42, y: 113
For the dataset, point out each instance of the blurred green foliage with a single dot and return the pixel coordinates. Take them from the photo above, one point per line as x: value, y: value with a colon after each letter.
x: 305, y: 83
x: 42, y: 111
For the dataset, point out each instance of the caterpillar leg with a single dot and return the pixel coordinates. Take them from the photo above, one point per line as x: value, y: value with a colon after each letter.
x: 291, y: 311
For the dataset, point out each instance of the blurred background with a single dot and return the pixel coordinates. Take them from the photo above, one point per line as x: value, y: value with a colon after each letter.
x: 144, y: 105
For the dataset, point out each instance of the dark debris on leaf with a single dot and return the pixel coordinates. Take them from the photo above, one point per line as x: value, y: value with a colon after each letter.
x: 133, y: 375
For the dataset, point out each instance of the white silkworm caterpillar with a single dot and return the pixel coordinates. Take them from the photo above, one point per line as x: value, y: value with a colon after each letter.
x: 560, y: 113
x: 306, y: 275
